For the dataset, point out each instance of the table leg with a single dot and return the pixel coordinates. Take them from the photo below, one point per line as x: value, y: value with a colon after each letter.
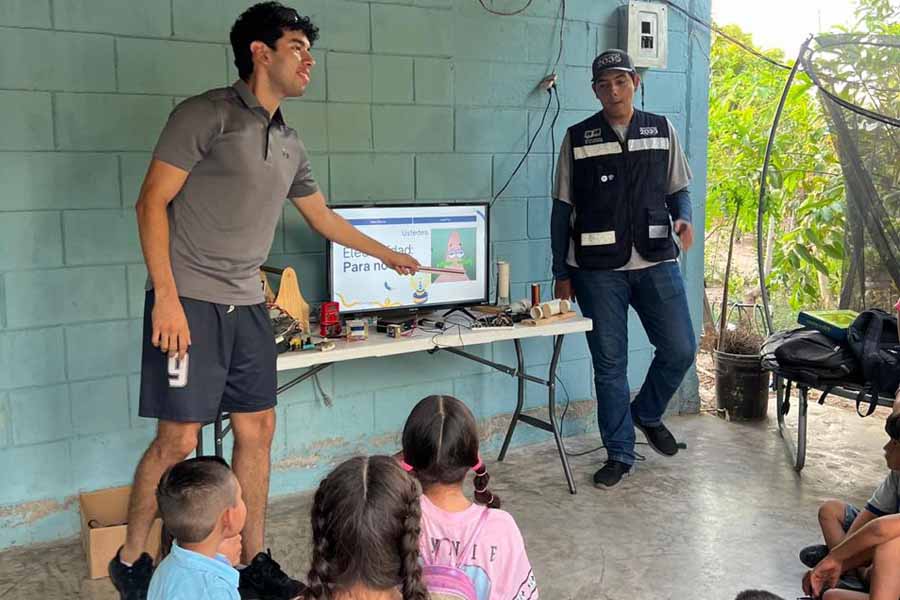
x: 551, y: 407
x: 520, y: 400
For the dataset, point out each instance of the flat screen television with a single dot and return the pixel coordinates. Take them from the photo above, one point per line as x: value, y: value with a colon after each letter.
x: 452, y: 237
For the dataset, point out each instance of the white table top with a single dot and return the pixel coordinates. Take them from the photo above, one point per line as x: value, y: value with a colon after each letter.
x: 379, y: 344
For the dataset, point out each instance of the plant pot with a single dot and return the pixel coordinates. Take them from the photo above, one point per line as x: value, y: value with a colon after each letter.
x: 742, y: 387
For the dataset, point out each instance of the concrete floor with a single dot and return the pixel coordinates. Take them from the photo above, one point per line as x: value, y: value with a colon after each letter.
x: 727, y: 514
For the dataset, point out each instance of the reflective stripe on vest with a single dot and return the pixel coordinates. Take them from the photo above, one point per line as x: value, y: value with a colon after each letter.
x: 597, y: 150
x: 653, y: 143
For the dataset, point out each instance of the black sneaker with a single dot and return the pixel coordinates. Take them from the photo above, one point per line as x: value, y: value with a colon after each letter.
x: 263, y: 579
x: 813, y: 555
x: 612, y: 473
x: 659, y: 437
x: 131, y: 582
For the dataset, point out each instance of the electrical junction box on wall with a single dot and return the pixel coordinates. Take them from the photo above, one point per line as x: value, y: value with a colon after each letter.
x: 643, y: 33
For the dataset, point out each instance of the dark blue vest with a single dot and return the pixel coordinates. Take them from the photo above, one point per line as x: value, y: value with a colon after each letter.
x: 619, y: 191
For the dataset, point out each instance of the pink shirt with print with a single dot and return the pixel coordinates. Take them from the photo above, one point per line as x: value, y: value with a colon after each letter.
x: 497, y: 563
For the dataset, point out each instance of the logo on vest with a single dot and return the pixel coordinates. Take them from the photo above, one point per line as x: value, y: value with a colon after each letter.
x: 605, y: 178
x: 593, y: 136
x: 648, y: 131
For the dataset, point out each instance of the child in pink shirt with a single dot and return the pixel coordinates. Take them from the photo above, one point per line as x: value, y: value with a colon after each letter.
x: 440, y: 447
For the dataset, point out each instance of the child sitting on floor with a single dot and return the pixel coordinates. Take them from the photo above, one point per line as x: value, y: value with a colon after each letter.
x: 202, y: 507
x: 875, y: 532
x: 440, y: 447
x: 365, y: 528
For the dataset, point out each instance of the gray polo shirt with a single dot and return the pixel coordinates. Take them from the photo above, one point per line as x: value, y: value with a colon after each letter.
x: 242, y: 167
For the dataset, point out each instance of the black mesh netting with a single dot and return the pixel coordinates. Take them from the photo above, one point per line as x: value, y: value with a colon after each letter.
x: 858, y: 81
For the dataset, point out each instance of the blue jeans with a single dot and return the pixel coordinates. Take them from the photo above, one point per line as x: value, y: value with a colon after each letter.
x: 657, y: 295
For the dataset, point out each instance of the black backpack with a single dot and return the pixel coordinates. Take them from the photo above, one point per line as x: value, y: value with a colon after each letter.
x: 810, y: 357
x: 873, y: 339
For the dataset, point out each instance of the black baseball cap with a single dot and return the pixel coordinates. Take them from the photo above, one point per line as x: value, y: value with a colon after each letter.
x: 612, y: 60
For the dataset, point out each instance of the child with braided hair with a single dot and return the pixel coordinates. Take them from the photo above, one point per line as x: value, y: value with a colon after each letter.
x: 365, y: 529
x: 440, y: 447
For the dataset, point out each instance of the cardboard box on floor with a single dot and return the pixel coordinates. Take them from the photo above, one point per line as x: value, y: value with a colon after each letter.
x: 103, y: 517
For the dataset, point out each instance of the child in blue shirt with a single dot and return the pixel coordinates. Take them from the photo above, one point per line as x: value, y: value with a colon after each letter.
x: 201, y: 505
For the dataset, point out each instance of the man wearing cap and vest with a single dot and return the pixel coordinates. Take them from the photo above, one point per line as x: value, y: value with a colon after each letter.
x: 620, y: 198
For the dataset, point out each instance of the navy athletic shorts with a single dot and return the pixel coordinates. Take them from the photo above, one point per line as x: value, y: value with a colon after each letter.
x: 230, y: 364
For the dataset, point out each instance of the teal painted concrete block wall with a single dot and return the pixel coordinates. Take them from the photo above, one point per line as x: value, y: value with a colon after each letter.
x: 411, y: 100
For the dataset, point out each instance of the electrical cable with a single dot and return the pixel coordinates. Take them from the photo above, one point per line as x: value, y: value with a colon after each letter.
x: 638, y: 457
x: 527, y: 151
x: 731, y: 39
x: 501, y: 13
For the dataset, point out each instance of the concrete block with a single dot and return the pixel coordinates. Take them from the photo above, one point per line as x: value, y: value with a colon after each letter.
x: 315, y: 430
x: 54, y: 60
x: 35, y: 472
x: 480, y: 83
x: 504, y: 165
x: 342, y: 25
x: 543, y: 47
x: 118, y: 244
x: 134, y: 397
x: 487, y: 395
x: 108, y: 459
x: 412, y: 128
x: 541, y: 169
x: 575, y: 90
x: 31, y: 358
x: 529, y: 261
x: 310, y: 271
x: 453, y: 176
x: 30, y: 240
x: 5, y: 424
x: 309, y: 119
x: 298, y: 235
x: 137, y: 282
x: 539, y: 217
x: 433, y: 81
x: 593, y: 11
x: 491, y: 130
x: 40, y: 414
x: 349, y: 127
x: 100, y: 406
x: 35, y: 298
x: 57, y: 180
x: 168, y: 67
x: 110, y: 122
x: 416, y: 31
x: 113, y: 16
x: 372, y: 177
x: 203, y: 19
x: 679, y: 51
x: 509, y: 220
x: 32, y: 129
x: 320, y: 171
x: 500, y: 39
x: 103, y: 349
x: 410, y: 369
x: 134, y: 168
x: 392, y: 79
x: 25, y: 13
x: 393, y: 405
x: 666, y: 92
x: 349, y: 77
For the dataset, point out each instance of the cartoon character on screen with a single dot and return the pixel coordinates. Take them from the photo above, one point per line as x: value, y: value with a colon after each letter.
x: 420, y: 284
x: 454, y: 258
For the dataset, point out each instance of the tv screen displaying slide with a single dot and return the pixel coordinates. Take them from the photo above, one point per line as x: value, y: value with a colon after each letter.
x: 451, y: 237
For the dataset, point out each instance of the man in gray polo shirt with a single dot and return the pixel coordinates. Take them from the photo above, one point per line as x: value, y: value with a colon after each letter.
x: 208, y: 207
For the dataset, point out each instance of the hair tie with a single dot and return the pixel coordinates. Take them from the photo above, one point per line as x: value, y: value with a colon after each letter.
x: 406, y: 466
x: 479, y: 465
